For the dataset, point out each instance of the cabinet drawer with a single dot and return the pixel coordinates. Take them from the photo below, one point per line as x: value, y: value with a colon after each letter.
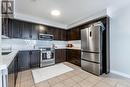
x: 91, y: 67
x: 91, y: 57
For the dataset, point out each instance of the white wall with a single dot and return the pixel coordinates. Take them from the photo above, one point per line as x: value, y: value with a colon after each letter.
x: 23, y: 44
x: 120, y: 40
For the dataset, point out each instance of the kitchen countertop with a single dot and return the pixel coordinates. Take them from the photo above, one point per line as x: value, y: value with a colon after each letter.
x: 73, y: 48
x: 7, y: 59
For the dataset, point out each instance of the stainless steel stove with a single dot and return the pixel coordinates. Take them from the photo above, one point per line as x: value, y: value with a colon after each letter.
x: 45, y: 45
x: 47, y: 56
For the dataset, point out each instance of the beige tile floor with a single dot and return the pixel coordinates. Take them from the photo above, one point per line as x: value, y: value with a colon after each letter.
x: 75, y: 78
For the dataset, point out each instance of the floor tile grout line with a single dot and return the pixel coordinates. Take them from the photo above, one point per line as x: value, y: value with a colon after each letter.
x: 33, y: 78
x: 115, y: 84
x: 78, y: 73
x: 96, y: 83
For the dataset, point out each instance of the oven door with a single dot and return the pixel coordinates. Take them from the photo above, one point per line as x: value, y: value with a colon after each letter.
x: 46, y: 55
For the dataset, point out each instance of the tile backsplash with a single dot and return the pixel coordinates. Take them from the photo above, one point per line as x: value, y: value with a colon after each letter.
x: 76, y: 43
x: 18, y: 43
x: 23, y: 44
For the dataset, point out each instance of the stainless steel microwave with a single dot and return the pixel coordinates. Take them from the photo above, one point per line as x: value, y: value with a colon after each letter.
x: 46, y: 36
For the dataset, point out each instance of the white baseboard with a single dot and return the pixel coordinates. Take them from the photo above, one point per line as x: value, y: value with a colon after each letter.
x: 120, y: 73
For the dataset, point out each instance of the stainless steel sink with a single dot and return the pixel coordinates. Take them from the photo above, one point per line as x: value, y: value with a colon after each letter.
x: 5, y: 53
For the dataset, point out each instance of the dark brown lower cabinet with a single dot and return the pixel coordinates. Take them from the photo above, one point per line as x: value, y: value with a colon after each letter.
x: 24, y: 60
x: 11, y: 75
x: 60, y: 55
x: 35, y: 58
x: 28, y: 59
x: 73, y: 56
x: 12, y: 72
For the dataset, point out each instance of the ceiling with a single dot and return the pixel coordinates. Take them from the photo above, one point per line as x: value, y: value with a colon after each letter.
x: 71, y: 10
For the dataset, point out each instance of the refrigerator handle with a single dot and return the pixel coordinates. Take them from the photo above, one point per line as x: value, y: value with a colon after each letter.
x: 90, y: 33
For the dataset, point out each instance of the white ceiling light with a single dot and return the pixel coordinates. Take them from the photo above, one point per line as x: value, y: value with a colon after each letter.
x: 55, y: 12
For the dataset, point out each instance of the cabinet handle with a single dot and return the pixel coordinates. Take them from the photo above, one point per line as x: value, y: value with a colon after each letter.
x: 30, y: 53
x: 90, y: 33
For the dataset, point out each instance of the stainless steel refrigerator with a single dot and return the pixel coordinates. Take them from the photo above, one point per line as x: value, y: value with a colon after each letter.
x: 91, y: 49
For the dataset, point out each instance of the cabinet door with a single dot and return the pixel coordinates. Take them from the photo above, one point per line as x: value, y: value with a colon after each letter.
x: 60, y: 55
x: 73, y: 56
x: 34, y: 32
x: 10, y: 28
x: 4, y: 26
x: 15, y: 68
x: 57, y: 55
x: 26, y: 30
x: 63, y: 55
x: 56, y: 34
x: 35, y: 59
x: 68, y: 34
x: 17, y: 29
x: 24, y: 60
x: 42, y: 29
x: 63, y: 35
x: 74, y: 34
x: 12, y: 72
x: 50, y: 30
x: 11, y: 75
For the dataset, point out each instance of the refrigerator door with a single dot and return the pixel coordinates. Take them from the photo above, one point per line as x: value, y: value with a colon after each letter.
x: 84, y: 39
x: 91, y: 67
x: 94, y: 39
x: 92, y: 57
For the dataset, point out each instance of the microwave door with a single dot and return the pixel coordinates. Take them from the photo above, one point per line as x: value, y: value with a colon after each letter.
x: 94, y: 39
x: 84, y: 39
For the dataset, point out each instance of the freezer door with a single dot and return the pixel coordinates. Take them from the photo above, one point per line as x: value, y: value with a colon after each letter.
x: 93, y: 57
x: 91, y: 67
x: 94, y: 39
x: 84, y: 39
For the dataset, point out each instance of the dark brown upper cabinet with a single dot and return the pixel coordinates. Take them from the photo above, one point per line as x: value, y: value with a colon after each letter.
x: 73, y: 34
x: 56, y: 34
x: 42, y: 29
x: 50, y: 30
x: 17, y: 27
x: 34, y: 32
x: 26, y: 30
x: 60, y: 34
x: 10, y: 33
x: 6, y: 27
